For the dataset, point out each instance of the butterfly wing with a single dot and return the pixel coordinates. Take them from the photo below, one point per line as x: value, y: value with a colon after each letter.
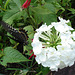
x: 17, y: 34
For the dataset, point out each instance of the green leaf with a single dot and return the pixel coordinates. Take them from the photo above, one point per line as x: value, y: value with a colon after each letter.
x: 41, y: 10
x: 49, y: 18
x: 12, y: 15
x: 30, y: 31
x: 24, y: 72
x: 58, y: 7
x: 0, y: 37
x: 12, y: 41
x: 1, y: 74
x: 45, y: 70
x: 13, y: 5
x: 0, y: 2
x: 50, y: 7
x: 18, y: 3
x: 65, y: 2
x: 12, y: 56
x: 1, y: 54
x: 1, y: 45
x: 45, y: 14
x: 50, y: 0
x: 1, y: 14
x: 72, y: 10
x: 69, y: 24
x: 45, y: 18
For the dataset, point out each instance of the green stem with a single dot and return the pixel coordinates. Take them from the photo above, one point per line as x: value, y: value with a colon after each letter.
x: 23, y: 65
x: 40, y: 2
x: 6, y: 3
x: 39, y: 73
x: 2, y: 9
x: 16, y: 45
x: 32, y: 21
x: 32, y: 61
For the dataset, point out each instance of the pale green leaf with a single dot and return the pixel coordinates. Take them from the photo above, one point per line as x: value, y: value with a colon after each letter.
x: 12, y: 56
x: 18, y: 3
x: 12, y: 15
x: 30, y: 31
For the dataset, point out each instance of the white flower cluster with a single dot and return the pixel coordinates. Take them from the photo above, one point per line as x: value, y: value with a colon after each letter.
x: 55, y: 49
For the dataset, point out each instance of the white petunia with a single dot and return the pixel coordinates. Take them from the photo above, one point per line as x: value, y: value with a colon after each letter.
x: 41, y: 57
x: 63, y: 48
x: 52, y: 61
x: 61, y: 65
x: 54, y: 45
x: 63, y: 21
x: 68, y: 57
x: 42, y: 28
x: 73, y: 46
x: 73, y: 35
x: 37, y: 47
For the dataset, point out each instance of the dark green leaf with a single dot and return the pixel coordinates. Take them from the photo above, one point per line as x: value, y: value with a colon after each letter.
x: 41, y: 10
x: 45, y: 70
x: 45, y: 13
x: 50, y: 0
x: 72, y: 10
x: 45, y: 18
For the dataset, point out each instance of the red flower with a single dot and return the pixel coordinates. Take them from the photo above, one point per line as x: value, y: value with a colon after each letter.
x: 32, y: 54
x: 1, y: 49
x: 26, y: 4
x: 32, y: 40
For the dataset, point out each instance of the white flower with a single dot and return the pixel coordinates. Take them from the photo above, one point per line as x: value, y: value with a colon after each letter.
x: 66, y: 38
x: 68, y: 57
x: 54, y: 45
x: 63, y: 48
x: 73, y: 35
x: 73, y: 46
x: 41, y: 57
x: 53, y: 59
x: 42, y: 28
x: 63, y: 21
x: 37, y: 47
x: 51, y: 52
x: 61, y: 26
x: 61, y: 65
x: 36, y: 36
x: 52, y: 63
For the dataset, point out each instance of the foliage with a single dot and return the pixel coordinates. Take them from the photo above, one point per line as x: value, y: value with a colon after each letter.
x: 11, y: 55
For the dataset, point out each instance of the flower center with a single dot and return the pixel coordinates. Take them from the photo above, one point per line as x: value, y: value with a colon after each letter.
x: 50, y: 38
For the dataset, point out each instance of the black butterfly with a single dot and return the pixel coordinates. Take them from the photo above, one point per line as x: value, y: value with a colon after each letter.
x: 20, y: 36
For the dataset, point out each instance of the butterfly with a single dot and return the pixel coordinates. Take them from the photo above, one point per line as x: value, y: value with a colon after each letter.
x: 20, y: 36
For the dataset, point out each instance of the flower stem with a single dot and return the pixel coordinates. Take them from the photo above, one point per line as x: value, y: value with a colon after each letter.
x: 16, y: 45
x: 32, y: 21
